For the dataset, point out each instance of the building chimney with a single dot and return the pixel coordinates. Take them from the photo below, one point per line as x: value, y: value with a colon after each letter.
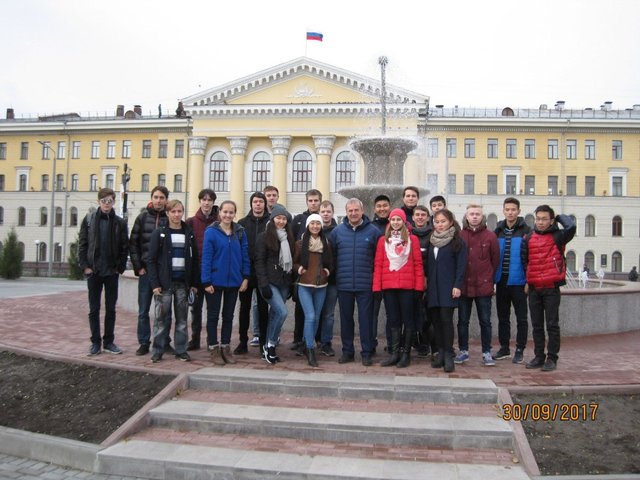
x: 10, y: 114
x: 606, y: 106
x: 120, y: 111
x: 636, y: 107
x: 137, y: 109
x: 559, y: 104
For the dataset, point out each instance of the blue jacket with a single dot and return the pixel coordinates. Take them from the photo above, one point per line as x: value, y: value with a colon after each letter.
x: 516, y: 269
x: 354, y: 252
x: 225, y: 258
x: 444, y: 273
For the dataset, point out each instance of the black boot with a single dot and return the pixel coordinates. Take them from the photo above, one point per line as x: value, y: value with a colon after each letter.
x: 449, y: 366
x: 405, y: 358
x: 311, y: 357
x: 438, y: 360
x: 394, y: 349
x: 194, y: 343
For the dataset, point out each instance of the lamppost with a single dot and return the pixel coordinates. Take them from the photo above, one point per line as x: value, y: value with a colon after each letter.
x: 53, y: 204
x: 37, y: 242
x: 383, y: 61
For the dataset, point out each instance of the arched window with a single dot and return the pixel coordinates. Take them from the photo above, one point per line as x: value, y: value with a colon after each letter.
x: 1, y: 215
x: 177, y: 183
x: 43, y: 216
x: 75, y: 181
x: 144, y: 183
x: 42, y: 252
x: 301, y: 175
x: 218, y: 169
x: 22, y: 216
x: 616, y: 226
x: 57, y: 253
x: 21, y: 250
x: 59, y: 182
x: 616, y: 262
x: 162, y: 180
x: 109, y: 180
x: 260, y: 171
x: 492, y: 221
x: 589, y: 260
x: 58, y: 217
x: 345, y: 170
x: 73, y: 217
x: 45, y: 183
x: 589, y: 226
x: 93, y: 182
x: 530, y: 220
x: 571, y: 261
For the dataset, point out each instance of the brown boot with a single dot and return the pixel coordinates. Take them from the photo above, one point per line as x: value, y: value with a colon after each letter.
x: 227, y: 356
x: 216, y: 355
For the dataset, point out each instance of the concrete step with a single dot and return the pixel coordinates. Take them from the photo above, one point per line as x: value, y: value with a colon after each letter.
x: 445, y: 431
x: 383, y: 387
x: 157, y: 460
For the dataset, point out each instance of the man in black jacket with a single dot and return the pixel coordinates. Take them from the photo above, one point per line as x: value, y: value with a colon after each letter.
x: 102, y: 255
x: 152, y: 217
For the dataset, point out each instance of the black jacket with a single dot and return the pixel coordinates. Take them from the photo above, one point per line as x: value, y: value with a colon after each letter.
x: 253, y: 226
x: 143, y: 227
x: 116, y: 257
x: 268, y: 269
x: 160, y: 258
x: 299, y: 224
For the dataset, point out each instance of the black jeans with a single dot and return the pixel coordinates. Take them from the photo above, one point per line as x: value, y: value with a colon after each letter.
x: 95, y: 283
x: 544, y: 306
x: 507, y: 295
x: 399, y: 305
x: 222, y: 298
x: 245, y: 314
x: 442, y: 318
x: 196, y: 313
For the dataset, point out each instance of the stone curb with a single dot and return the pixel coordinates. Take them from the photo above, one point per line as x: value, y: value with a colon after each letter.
x: 615, y: 476
x: 578, y: 389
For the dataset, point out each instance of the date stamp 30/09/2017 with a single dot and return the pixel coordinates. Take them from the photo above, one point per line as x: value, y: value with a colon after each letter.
x: 564, y: 412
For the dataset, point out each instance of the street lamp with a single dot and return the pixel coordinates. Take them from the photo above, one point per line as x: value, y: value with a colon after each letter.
x: 53, y: 204
x: 37, y: 242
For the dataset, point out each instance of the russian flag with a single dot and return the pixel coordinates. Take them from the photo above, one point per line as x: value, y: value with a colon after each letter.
x: 314, y: 36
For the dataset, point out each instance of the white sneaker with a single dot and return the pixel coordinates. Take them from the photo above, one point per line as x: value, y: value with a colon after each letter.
x: 255, y: 342
x: 488, y: 360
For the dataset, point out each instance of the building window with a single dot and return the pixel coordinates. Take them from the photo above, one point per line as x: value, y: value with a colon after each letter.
x: 589, y: 186
x: 432, y: 147
x: 126, y: 149
x: 1, y: 219
x: 179, y: 149
x: 57, y: 253
x: 301, y: 173
x: 492, y: 148
x: 24, y: 151
x: 59, y: 182
x: 572, y: 149
x: 589, y: 149
x: 616, y: 262
x: 163, y: 148
x: 162, y: 180
x: 552, y: 185
x: 511, y: 185
x: 571, y: 184
x: 58, y: 217
x: 529, y: 185
x: 571, y: 261
x: 43, y: 216
x: 46, y: 146
x: 111, y: 149
x: 451, y: 183
x: 589, y: 226
x: 44, y: 184
x: 616, y: 186
x: 42, y: 252
x: 616, y: 149
x: 616, y: 226
x: 530, y: 148
x: 552, y: 149
x: 62, y: 150
x: 146, y: 149
x: 346, y: 170
x: 492, y: 221
x: 144, y: 183
x: 218, y: 169
x: 512, y: 148
x: 73, y: 217
x: 109, y: 180
x: 95, y: 149
x: 492, y: 184
x: 452, y: 148
x: 469, y: 184
x: 432, y: 182
x: 177, y: 183
x: 22, y: 216
x: 469, y: 148
x: 93, y: 183
x: 590, y: 261
x: 75, y: 181
x: 2, y: 182
x: 75, y: 149
x: 3, y: 150
x: 22, y: 182
x: 260, y: 171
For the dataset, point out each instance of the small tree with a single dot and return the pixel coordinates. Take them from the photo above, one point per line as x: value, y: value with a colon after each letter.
x: 75, y: 272
x: 11, y: 257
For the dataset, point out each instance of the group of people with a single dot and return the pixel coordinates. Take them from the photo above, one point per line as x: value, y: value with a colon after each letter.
x: 423, y: 267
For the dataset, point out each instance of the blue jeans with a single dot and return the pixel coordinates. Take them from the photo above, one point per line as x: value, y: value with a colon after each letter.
x: 95, y: 283
x: 483, y: 308
x: 145, y: 296
x: 311, y: 299
x: 277, y: 312
x: 162, y: 326
x: 348, y: 301
x: 327, y: 316
x: 225, y: 297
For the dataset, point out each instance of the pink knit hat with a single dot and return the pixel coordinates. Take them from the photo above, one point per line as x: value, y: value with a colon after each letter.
x: 400, y: 213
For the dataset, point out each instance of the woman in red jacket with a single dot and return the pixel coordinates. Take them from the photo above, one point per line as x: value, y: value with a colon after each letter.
x: 399, y: 275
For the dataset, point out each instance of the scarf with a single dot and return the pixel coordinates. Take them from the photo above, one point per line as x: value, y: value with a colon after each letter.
x: 397, y: 251
x: 285, y: 260
x: 441, y: 239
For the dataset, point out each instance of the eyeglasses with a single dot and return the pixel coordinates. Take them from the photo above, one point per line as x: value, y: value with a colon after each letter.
x: 106, y: 201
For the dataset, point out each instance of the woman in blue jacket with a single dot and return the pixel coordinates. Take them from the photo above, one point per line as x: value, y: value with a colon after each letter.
x: 446, y: 261
x: 225, y: 271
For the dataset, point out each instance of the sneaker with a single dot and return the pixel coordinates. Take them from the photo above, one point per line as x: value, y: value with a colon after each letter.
x: 183, y: 357
x: 156, y: 357
x: 518, y: 357
x: 345, y: 358
x: 366, y: 360
x: 169, y: 349
x: 142, y: 349
x: 255, y: 342
x: 271, y: 355
x: 112, y: 348
x: 549, y: 365
x: 488, y: 360
x: 327, y: 351
x: 537, y: 362
x: 241, y: 349
x: 503, y: 353
x: 94, y: 350
x: 265, y: 354
x: 463, y: 356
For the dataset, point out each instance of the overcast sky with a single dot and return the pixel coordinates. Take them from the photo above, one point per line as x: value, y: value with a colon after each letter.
x: 90, y: 55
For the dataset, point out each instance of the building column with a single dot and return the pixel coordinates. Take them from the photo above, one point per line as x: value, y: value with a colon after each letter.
x: 280, y: 147
x: 236, y: 182
x: 324, y: 148
x: 195, y: 182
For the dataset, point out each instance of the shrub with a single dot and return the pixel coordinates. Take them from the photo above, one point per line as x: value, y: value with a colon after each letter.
x: 11, y: 257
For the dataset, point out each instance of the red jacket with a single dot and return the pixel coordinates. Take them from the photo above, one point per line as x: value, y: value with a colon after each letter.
x: 199, y: 224
x: 546, y: 263
x: 483, y: 259
x: 409, y: 277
